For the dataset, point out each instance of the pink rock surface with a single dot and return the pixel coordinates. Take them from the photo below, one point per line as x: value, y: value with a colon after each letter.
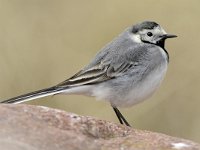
x: 26, y: 127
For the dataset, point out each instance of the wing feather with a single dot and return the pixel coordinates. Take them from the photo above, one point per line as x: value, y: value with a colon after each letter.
x: 96, y: 74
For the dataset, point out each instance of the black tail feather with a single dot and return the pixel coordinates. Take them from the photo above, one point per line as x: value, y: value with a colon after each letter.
x: 34, y: 95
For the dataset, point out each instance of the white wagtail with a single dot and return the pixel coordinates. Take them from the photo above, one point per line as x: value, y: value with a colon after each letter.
x: 126, y: 71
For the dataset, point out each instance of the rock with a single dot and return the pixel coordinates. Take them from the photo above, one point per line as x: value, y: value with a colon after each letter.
x: 26, y: 127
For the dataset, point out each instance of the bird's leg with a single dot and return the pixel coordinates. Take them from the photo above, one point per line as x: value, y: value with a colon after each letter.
x: 121, y: 118
x: 118, y: 115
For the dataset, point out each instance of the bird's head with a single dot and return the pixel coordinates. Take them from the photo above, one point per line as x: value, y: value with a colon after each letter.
x: 150, y: 32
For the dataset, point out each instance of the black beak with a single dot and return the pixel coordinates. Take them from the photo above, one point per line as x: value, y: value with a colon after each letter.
x: 163, y: 37
x: 166, y: 36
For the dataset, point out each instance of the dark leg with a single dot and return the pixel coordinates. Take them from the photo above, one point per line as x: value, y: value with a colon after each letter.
x: 118, y: 115
x: 121, y: 118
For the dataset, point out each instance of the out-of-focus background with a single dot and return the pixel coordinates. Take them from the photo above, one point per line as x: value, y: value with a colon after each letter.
x: 43, y: 42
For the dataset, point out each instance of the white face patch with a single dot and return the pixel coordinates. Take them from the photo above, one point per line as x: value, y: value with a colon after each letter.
x: 136, y: 38
x: 142, y: 35
x: 157, y: 30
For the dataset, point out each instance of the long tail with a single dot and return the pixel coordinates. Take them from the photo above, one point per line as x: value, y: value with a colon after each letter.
x: 34, y: 95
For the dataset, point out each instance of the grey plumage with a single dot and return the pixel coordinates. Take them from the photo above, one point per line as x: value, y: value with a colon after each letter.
x: 124, y: 72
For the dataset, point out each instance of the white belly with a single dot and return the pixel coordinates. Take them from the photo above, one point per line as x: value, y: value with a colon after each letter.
x: 140, y: 91
x: 127, y: 93
x: 146, y: 88
x: 136, y: 94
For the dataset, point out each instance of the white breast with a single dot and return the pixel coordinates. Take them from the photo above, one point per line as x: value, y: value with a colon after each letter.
x: 148, y: 86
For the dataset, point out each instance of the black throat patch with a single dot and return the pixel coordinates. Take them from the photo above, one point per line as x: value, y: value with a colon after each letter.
x: 161, y: 44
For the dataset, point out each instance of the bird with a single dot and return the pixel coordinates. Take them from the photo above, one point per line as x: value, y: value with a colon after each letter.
x: 126, y: 71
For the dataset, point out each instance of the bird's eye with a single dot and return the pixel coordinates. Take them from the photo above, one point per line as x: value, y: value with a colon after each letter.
x: 149, y: 34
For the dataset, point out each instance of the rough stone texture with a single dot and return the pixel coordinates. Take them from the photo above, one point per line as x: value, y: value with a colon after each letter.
x: 25, y: 127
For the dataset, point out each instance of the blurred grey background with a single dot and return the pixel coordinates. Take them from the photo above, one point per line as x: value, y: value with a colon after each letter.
x: 43, y: 42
